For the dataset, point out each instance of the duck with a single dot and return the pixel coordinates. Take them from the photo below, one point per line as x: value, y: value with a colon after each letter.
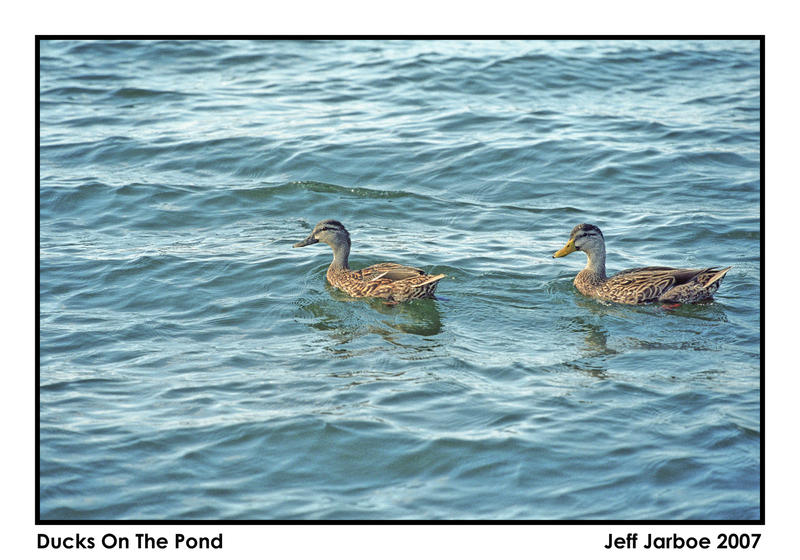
x: 650, y: 284
x: 390, y: 281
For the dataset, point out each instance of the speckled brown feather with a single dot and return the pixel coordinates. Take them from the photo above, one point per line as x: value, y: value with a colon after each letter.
x: 637, y: 285
x: 391, y: 281
x: 652, y: 284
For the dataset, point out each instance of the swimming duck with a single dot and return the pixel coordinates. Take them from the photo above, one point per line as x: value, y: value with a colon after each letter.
x: 391, y: 281
x: 637, y: 285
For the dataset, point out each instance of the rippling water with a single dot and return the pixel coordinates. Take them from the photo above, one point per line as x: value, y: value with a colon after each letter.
x: 195, y: 366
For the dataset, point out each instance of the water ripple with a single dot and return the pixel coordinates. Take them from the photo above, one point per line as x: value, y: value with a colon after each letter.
x: 218, y: 376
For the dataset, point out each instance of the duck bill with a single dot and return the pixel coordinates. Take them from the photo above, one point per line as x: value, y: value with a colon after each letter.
x: 310, y: 240
x: 566, y: 250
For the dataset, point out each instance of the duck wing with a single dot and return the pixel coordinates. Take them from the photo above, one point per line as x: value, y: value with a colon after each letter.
x: 390, y: 281
x: 650, y: 283
x: 391, y: 272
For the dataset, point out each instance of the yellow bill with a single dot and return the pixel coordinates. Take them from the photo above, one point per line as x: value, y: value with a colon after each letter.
x: 566, y: 250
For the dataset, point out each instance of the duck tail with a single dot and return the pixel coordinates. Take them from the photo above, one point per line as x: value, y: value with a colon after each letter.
x: 430, y: 280
x: 718, y: 276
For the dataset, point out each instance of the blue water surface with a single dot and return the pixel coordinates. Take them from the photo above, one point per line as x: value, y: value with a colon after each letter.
x: 193, y: 365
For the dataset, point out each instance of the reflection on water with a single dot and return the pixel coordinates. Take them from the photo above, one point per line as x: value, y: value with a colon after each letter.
x: 348, y: 322
x: 595, y: 337
x: 656, y: 331
x: 705, y: 311
x: 595, y: 348
x: 363, y: 377
x: 589, y: 367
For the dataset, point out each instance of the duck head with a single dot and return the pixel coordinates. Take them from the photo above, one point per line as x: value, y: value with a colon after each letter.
x: 583, y: 237
x: 328, y: 231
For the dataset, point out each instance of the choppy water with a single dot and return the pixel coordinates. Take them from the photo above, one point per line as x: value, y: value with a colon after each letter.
x: 195, y: 366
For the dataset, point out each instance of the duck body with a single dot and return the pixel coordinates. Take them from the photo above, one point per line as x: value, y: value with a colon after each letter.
x: 390, y: 281
x: 649, y: 284
x: 653, y: 284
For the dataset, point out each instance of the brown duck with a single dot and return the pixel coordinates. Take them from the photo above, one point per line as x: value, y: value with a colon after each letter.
x: 390, y: 281
x: 637, y: 285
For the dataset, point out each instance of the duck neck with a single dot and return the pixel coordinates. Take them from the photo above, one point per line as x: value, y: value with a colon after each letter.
x: 596, y: 263
x: 340, y: 254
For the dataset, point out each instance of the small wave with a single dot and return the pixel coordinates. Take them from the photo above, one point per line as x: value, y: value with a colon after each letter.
x: 241, y: 59
x: 143, y: 93
x: 264, y: 192
x: 70, y: 92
